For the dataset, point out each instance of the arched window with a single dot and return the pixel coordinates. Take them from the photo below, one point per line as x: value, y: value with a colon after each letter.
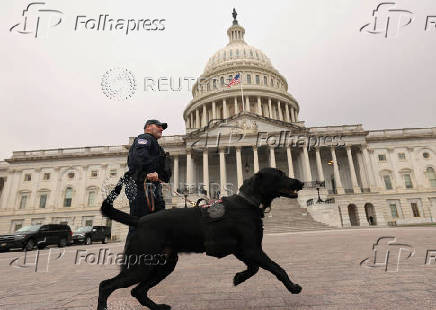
x: 68, y: 197
x: 222, y: 81
x: 431, y: 175
x: 248, y: 78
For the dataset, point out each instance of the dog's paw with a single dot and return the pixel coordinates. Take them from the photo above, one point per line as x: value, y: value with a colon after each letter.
x: 296, y: 289
x: 238, y: 279
x: 163, y: 307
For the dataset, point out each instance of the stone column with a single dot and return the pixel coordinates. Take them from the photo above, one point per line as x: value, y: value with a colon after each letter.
x: 188, y: 168
x: 356, y: 187
x: 187, y: 123
x: 270, y: 108
x: 395, y: 174
x: 319, y: 165
x: 259, y: 106
x: 272, y: 157
x: 206, y: 170
x: 236, y: 106
x: 255, y: 160
x: 412, y: 161
x: 295, y: 115
x: 292, y: 114
x: 239, y: 166
x: 280, y: 111
x: 372, y: 180
x: 286, y: 112
x: 225, y: 110
x: 176, y: 172
x: 364, y: 179
x: 214, y: 110
x: 339, y: 187
x: 307, y: 172
x: 197, y: 118
x: 204, y: 115
x: 247, y: 104
x: 290, y: 165
x: 223, y: 174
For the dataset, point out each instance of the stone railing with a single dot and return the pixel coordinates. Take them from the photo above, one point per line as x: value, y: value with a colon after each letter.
x: 89, y: 150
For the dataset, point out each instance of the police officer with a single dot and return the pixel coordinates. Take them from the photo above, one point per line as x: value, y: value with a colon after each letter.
x: 148, y: 167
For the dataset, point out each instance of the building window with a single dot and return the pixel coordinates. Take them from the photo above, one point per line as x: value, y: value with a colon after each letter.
x: 265, y: 81
x: 251, y: 53
x: 382, y: 157
x: 88, y: 223
x: 23, y: 200
x: 401, y: 156
x: 431, y: 175
x: 426, y: 155
x: 94, y: 173
x: 214, y: 84
x: 71, y: 175
x: 231, y: 53
x: 113, y: 173
x: 68, y: 197
x: 394, y: 211
x: 27, y: 177
x: 387, y: 180
x: 222, y: 81
x: 46, y: 176
x: 91, y: 199
x: 415, y: 210
x: 408, y: 181
x: 257, y: 79
x: 248, y: 78
x: 230, y: 79
x: 42, y: 200
x: 17, y: 226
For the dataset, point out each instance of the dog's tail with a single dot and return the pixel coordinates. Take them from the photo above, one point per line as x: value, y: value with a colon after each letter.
x: 108, y: 210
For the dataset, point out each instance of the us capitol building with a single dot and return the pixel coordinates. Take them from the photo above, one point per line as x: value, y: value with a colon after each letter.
x: 356, y: 177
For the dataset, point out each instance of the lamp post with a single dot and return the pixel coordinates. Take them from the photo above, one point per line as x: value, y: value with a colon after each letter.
x: 185, y: 194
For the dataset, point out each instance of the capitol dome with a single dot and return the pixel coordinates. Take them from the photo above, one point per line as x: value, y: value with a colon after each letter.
x: 237, y: 52
x: 261, y: 89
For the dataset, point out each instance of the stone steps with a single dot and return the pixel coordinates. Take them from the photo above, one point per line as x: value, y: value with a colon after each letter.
x: 287, y: 216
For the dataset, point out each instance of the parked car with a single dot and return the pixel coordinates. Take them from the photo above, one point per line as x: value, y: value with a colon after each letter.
x: 29, y: 237
x: 90, y: 234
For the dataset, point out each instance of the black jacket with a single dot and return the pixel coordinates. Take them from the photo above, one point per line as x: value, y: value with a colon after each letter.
x: 147, y: 156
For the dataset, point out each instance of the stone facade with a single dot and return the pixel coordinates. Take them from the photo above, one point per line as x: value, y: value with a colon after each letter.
x: 363, y: 177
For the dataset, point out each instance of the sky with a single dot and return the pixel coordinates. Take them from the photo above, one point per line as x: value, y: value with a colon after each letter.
x: 50, y: 85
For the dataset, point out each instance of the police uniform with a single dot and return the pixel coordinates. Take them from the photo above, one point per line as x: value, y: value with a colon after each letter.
x: 147, y: 156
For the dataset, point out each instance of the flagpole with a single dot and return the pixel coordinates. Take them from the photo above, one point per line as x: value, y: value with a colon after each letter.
x: 242, y: 94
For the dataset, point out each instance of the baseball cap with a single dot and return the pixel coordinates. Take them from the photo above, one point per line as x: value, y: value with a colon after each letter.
x: 155, y: 121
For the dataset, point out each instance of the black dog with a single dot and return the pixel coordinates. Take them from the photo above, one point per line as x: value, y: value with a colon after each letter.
x: 232, y: 227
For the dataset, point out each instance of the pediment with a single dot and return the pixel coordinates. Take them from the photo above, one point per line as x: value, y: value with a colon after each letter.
x: 245, y: 123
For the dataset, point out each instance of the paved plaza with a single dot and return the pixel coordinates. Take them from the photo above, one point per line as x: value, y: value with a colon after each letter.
x: 327, y: 264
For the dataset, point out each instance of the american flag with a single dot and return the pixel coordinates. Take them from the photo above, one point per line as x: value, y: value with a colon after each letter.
x: 234, y: 81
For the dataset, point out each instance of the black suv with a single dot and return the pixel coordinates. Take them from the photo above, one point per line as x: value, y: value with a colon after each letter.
x: 39, y: 236
x: 89, y: 234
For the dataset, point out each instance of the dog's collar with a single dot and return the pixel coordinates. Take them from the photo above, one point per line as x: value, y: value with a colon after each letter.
x: 252, y: 201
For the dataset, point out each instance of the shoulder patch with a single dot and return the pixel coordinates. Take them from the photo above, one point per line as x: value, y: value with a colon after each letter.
x: 142, y: 141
